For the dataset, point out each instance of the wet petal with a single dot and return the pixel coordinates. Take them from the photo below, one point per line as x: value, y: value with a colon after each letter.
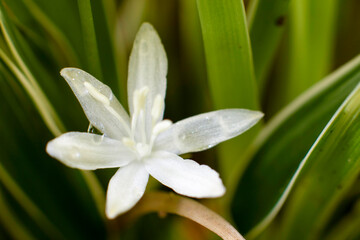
x: 206, y: 130
x: 99, y: 103
x: 185, y: 177
x: 125, y: 189
x: 147, y: 69
x: 89, y: 151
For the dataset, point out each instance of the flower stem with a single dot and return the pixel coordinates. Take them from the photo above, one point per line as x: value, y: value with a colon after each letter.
x: 185, y: 207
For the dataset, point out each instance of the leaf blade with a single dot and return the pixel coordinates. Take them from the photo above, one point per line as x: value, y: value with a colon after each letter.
x: 291, y: 133
x: 334, y: 158
x: 266, y: 21
x: 230, y: 70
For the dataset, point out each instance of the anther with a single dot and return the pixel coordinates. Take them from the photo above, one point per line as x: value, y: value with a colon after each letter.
x: 140, y: 98
x: 161, y: 127
x: 129, y: 143
x: 142, y: 149
x: 157, y: 108
x: 96, y: 94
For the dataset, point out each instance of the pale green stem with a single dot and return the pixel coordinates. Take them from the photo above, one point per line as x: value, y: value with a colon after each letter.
x: 170, y: 203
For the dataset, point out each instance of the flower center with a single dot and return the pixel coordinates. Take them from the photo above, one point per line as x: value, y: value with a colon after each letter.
x: 146, y: 123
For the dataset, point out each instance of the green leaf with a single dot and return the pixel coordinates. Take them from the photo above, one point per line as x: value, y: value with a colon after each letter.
x: 230, y: 69
x: 93, y: 65
x: 105, y: 38
x: 330, y: 169
x: 11, y: 222
x: 192, y: 57
x: 228, y: 54
x: 45, y: 193
x: 57, y: 35
x: 266, y: 20
x: 100, y: 54
x: 348, y: 226
x: 282, y: 145
x: 25, y: 76
x: 311, y: 47
x: 37, y: 215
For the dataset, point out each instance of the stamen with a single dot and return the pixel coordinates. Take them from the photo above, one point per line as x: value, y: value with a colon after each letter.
x: 140, y: 99
x: 139, y: 102
x: 143, y: 126
x: 161, y: 127
x: 106, y: 101
x: 157, y: 108
x: 118, y: 117
x: 129, y: 143
x: 142, y: 149
x: 96, y: 94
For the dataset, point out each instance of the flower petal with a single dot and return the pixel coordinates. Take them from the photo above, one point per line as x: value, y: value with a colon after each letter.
x: 125, y: 189
x: 206, y: 130
x: 89, y: 151
x: 185, y: 177
x: 99, y: 103
x: 147, y: 69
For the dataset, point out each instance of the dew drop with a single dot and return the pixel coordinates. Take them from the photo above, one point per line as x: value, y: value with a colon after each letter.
x: 182, y: 137
x: 75, y: 155
x: 91, y: 128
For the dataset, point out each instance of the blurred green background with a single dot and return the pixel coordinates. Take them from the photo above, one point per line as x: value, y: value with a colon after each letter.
x: 295, y: 60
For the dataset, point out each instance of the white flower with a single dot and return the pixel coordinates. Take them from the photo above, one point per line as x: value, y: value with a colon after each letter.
x: 144, y: 143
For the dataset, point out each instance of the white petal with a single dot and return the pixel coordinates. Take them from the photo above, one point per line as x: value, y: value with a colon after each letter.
x: 185, y: 177
x: 89, y: 151
x: 206, y: 130
x: 125, y: 189
x: 147, y: 68
x: 98, y: 102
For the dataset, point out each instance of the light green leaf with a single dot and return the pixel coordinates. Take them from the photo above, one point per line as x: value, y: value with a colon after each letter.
x: 230, y: 69
x: 228, y: 54
x: 311, y: 47
x: 282, y: 145
x: 330, y: 168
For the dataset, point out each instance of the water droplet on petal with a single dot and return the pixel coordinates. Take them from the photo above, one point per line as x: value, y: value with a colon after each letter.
x: 75, y: 155
x: 182, y: 136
